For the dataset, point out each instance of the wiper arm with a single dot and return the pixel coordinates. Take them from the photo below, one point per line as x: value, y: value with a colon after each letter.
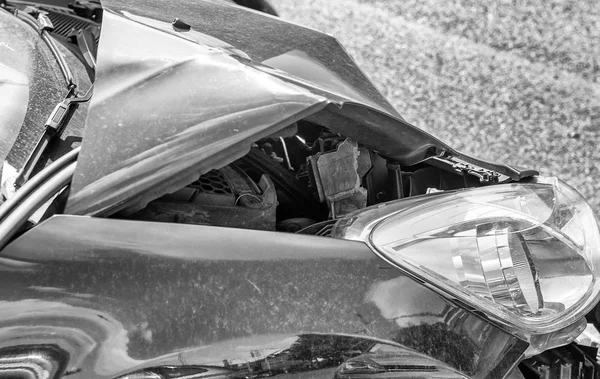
x: 53, y: 128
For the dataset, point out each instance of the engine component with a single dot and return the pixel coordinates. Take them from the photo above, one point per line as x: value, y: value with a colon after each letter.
x: 321, y: 229
x: 293, y: 225
x: 292, y: 194
x: 336, y: 176
x: 396, y: 184
x: 589, y: 337
x: 566, y: 362
x: 225, y: 197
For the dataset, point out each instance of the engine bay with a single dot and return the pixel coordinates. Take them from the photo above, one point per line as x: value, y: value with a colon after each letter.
x: 299, y: 181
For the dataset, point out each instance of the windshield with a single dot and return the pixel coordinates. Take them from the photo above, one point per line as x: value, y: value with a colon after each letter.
x: 30, y: 87
x: 14, y: 89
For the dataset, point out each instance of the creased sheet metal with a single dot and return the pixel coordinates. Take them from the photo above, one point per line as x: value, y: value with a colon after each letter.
x: 121, y: 295
x: 170, y: 105
x: 161, y: 115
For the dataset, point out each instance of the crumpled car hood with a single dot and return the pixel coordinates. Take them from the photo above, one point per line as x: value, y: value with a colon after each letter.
x: 171, y: 104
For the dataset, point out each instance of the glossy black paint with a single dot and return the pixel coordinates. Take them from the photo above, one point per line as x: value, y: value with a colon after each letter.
x: 119, y: 296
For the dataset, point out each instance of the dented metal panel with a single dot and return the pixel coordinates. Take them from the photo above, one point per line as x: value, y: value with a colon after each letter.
x: 119, y: 296
x: 163, y: 116
x: 171, y: 104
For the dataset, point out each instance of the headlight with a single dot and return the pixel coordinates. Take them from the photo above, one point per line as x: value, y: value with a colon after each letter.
x: 525, y: 254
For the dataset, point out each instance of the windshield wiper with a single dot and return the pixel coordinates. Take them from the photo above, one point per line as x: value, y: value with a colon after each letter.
x: 62, y: 113
x: 53, y: 128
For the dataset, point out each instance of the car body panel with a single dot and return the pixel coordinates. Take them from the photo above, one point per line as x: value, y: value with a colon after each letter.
x: 147, y: 124
x: 122, y: 295
x: 170, y: 105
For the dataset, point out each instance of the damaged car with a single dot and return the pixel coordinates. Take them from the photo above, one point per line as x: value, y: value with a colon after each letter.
x: 199, y: 189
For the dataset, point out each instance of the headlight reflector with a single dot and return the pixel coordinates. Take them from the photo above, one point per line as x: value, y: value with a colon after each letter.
x: 500, y: 269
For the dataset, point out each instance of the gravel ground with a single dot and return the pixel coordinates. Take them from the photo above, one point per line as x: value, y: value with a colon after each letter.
x: 515, y: 82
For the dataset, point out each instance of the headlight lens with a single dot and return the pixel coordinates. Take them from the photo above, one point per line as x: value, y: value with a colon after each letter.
x: 526, y: 254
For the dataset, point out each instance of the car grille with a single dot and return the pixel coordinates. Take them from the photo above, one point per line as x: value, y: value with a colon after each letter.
x: 212, y: 182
